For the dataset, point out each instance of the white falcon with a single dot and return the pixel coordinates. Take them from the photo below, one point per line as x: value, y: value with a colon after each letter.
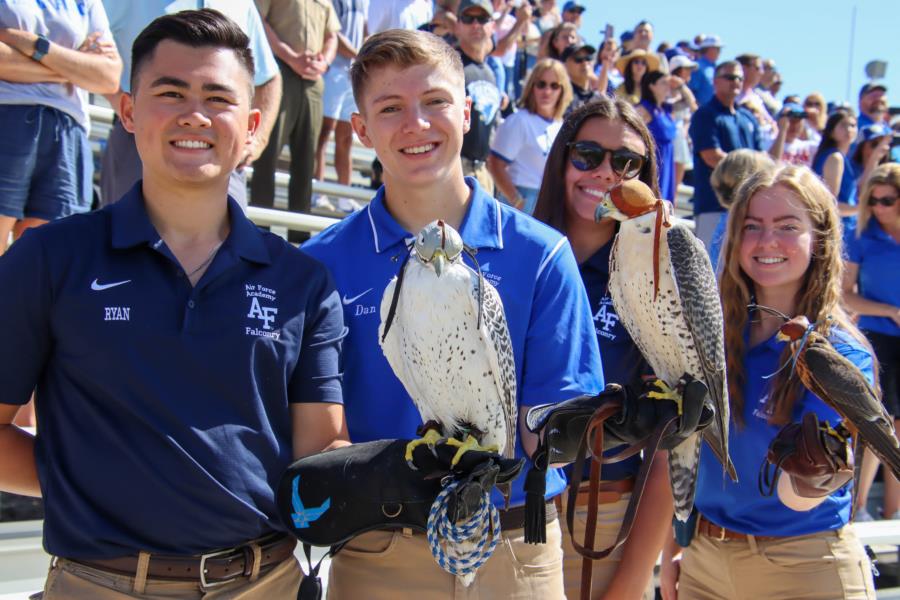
x: 444, y: 333
x: 664, y: 289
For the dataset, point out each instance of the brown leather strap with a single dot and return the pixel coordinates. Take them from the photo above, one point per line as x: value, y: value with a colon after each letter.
x: 595, y: 427
x: 217, y: 566
x: 709, y: 529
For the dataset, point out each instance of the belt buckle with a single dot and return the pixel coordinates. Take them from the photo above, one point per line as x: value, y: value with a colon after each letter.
x: 204, y: 584
x: 721, y: 536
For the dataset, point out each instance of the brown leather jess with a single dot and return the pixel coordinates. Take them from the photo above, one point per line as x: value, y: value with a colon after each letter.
x: 214, y: 567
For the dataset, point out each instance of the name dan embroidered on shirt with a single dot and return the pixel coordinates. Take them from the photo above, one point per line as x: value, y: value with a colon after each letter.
x: 116, y: 313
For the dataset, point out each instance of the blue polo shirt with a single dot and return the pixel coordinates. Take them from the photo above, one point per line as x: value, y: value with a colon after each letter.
x: 701, y: 82
x: 715, y: 126
x: 740, y: 506
x: 878, y: 257
x: 164, y: 409
x: 531, y: 266
x: 622, y: 361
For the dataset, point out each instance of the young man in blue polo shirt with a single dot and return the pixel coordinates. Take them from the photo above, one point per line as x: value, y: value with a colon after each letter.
x: 181, y: 357
x: 409, y: 87
x: 717, y: 128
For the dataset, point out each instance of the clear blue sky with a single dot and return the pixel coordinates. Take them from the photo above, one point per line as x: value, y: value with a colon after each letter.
x: 809, y: 40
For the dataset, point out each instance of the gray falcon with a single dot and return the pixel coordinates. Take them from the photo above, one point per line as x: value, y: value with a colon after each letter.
x: 664, y: 290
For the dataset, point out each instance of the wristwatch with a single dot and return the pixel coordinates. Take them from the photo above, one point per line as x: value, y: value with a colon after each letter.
x: 41, y: 48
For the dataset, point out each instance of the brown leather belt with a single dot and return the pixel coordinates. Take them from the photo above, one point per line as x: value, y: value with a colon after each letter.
x: 216, y: 567
x: 514, y: 518
x: 609, y: 492
x: 710, y: 529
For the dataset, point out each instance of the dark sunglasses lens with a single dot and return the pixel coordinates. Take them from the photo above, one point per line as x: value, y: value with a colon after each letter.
x: 885, y: 201
x: 469, y: 19
x: 553, y: 85
x: 586, y: 157
x: 582, y: 59
x: 626, y: 164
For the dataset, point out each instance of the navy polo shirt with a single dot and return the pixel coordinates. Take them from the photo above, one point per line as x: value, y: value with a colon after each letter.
x: 531, y: 266
x: 740, y: 506
x: 623, y: 363
x: 715, y: 126
x: 878, y: 257
x: 164, y: 409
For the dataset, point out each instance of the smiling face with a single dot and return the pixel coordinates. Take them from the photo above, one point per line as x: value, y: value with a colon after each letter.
x: 190, y: 114
x: 585, y: 189
x: 728, y: 82
x: 415, y: 119
x: 776, y: 241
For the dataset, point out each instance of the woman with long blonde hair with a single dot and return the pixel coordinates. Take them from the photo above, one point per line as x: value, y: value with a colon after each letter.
x: 782, y: 252
x: 872, y: 291
x: 519, y: 150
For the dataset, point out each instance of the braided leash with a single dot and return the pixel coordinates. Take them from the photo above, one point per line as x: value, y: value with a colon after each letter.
x: 482, y: 529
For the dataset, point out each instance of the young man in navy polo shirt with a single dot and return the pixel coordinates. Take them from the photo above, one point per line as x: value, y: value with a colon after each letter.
x: 181, y: 357
x: 409, y: 87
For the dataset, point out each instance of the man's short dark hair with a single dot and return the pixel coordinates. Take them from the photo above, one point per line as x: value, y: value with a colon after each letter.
x: 748, y: 59
x: 204, y: 28
x: 728, y: 64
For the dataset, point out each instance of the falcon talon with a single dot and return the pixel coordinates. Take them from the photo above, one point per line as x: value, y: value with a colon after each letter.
x: 667, y: 393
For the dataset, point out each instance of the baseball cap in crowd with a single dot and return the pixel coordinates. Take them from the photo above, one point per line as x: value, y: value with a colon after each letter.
x: 710, y: 41
x: 573, y: 6
x: 626, y: 36
x: 570, y: 51
x: 678, y: 61
x: 874, y: 131
x: 482, y: 4
x: 871, y: 87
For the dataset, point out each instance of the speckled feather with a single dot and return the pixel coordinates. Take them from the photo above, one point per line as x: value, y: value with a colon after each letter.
x: 455, y: 373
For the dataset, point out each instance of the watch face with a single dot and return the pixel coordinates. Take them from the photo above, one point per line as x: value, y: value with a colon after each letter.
x: 42, y: 45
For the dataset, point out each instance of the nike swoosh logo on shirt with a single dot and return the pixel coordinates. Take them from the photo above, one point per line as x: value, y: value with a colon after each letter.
x: 99, y: 287
x: 347, y: 300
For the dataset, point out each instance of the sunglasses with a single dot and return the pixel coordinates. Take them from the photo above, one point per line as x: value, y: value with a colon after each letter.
x: 884, y: 200
x: 639, y: 61
x: 587, y: 156
x: 732, y: 77
x: 468, y: 19
x: 582, y: 59
x: 542, y: 85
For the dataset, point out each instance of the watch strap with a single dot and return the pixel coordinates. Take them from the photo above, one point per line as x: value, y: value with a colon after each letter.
x: 41, y: 47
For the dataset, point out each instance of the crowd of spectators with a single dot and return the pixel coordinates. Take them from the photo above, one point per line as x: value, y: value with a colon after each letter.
x: 526, y: 67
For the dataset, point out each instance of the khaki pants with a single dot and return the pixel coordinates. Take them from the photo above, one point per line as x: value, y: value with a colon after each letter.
x: 825, y: 565
x: 68, y: 580
x: 480, y: 172
x: 386, y: 565
x: 609, y: 519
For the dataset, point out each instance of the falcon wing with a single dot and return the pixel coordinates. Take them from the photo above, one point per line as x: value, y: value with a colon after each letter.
x: 499, y: 350
x: 701, y: 308
x: 395, y: 352
x: 837, y: 381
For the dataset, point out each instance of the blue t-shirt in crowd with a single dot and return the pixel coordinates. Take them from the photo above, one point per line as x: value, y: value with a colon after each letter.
x: 846, y: 191
x: 164, y: 409
x: 128, y: 19
x: 740, y: 506
x: 878, y: 257
x: 714, y: 125
x: 663, y: 128
x: 701, y: 83
x: 623, y: 363
x: 530, y: 265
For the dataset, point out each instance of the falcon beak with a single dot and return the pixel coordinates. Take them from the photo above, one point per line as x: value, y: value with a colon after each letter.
x: 603, y: 209
x: 439, y: 261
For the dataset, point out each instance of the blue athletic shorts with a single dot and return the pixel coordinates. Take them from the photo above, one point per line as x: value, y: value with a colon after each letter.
x: 46, y: 163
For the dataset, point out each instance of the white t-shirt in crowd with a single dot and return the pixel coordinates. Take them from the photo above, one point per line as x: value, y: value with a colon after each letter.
x: 398, y: 14
x: 799, y: 152
x: 524, y: 140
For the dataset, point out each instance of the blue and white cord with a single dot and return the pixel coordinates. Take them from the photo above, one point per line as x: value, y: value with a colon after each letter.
x: 481, y: 529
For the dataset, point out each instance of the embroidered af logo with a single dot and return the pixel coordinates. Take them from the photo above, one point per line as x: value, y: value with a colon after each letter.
x: 266, y: 314
x: 606, y: 318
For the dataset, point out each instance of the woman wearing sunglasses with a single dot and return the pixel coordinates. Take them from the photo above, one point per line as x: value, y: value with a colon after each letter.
x: 872, y: 290
x: 520, y: 148
x: 782, y: 252
x: 600, y: 144
x: 633, y: 67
